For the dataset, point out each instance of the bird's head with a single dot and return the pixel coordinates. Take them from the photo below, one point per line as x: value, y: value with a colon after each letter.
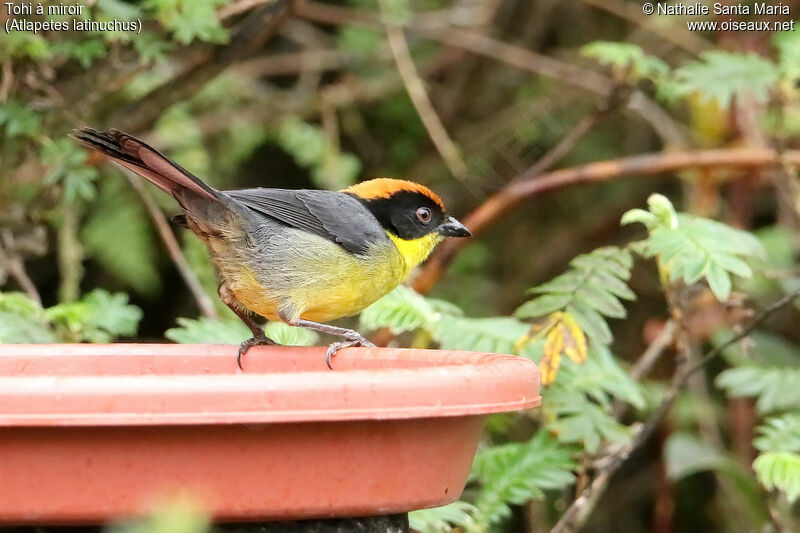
x: 412, y: 215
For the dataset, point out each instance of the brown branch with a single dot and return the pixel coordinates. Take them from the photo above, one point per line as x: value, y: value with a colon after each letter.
x: 580, y: 509
x: 202, y: 298
x: 422, y: 102
x: 524, y: 188
x: 653, y: 352
x: 256, y: 30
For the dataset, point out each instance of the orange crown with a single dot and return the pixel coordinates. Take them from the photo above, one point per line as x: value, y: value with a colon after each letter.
x: 386, y: 187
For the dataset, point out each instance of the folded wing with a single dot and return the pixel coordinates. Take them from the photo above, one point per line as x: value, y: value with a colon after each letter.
x: 335, y: 216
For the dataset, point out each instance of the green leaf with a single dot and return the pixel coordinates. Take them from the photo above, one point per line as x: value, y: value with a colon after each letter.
x: 311, y: 148
x: 19, y: 329
x: 719, y: 281
x: 208, y: 331
x: 17, y: 120
x: 67, y: 167
x: 723, y: 76
x: 775, y: 388
x: 641, y: 216
x: 443, y: 519
x: 626, y: 58
x: 118, y: 235
x: 543, y: 305
x: 491, y: 335
x: 597, y: 298
x: 780, y: 433
x: 119, y: 10
x: 590, y: 289
x: 788, y: 45
x: 514, y: 473
x: 19, y: 304
x: 190, y: 19
x: 685, y: 455
x: 581, y: 421
x: 287, y: 335
x: 591, y: 322
x: 24, y: 44
x: 779, y: 471
x: 85, y: 51
x: 401, y: 310
x: 601, y: 377
x: 112, y: 313
x: 360, y: 41
x: 690, y: 247
x: 663, y: 210
x: 763, y: 349
x: 99, y: 317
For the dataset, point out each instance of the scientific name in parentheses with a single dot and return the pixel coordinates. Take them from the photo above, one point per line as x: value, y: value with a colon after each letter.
x: 75, y: 25
x: 758, y: 8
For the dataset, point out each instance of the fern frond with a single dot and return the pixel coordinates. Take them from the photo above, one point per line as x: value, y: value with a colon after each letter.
x: 781, y: 471
x: 723, y: 76
x: 692, y: 248
x: 495, y: 335
x: 626, y: 59
x: 590, y: 290
x: 775, y: 388
x: 780, y: 433
x: 443, y: 519
x: 517, y: 472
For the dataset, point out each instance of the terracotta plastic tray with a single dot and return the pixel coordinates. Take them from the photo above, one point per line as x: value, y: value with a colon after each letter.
x: 90, y: 433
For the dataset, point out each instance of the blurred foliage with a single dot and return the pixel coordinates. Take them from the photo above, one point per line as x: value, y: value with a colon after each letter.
x: 322, y: 105
x: 98, y: 317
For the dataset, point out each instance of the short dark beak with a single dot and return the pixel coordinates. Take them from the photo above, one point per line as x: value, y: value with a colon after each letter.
x: 453, y: 228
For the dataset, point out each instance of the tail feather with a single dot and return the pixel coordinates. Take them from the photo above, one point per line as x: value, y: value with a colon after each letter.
x: 137, y: 156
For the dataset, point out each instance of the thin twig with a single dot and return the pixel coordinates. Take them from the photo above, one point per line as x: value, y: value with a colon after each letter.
x: 522, y: 189
x: 571, y: 139
x: 422, y: 102
x: 240, y: 6
x: 6, y: 80
x: 581, y: 508
x: 202, y: 298
x: 15, y: 267
x: 653, y: 352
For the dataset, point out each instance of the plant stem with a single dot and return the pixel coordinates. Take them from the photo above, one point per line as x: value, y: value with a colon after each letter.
x: 70, y: 253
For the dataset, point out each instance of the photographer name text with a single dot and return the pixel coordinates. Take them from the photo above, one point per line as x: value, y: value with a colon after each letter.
x: 758, y: 8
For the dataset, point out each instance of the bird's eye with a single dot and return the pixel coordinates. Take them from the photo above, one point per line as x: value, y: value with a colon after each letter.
x: 424, y: 214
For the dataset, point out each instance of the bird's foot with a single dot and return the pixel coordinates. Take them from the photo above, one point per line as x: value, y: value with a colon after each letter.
x: 256, y: 340
x: 351, y: 339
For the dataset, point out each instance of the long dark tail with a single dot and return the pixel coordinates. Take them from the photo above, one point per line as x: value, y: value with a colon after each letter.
x: 137, y: 156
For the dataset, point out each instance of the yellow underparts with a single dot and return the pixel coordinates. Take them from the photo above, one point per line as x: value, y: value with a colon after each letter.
x: 331, y: 282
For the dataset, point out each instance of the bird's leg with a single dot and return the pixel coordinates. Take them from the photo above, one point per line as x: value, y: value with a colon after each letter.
x: 352, y: 337
x: 259, y: 338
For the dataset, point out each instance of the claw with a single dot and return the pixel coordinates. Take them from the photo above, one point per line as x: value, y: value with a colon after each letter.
x: 352, y: 340
x: 260, y: 340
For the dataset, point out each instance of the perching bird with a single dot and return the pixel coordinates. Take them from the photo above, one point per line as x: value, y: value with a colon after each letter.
x: 301, y: 256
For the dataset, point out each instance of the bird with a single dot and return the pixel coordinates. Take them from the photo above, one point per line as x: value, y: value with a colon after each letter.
x: 301, y: 256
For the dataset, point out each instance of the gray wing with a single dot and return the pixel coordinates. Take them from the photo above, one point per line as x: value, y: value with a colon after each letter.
x: 333, y: 215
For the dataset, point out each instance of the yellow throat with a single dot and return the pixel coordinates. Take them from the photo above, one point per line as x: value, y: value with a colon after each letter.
x: 415, y: 251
